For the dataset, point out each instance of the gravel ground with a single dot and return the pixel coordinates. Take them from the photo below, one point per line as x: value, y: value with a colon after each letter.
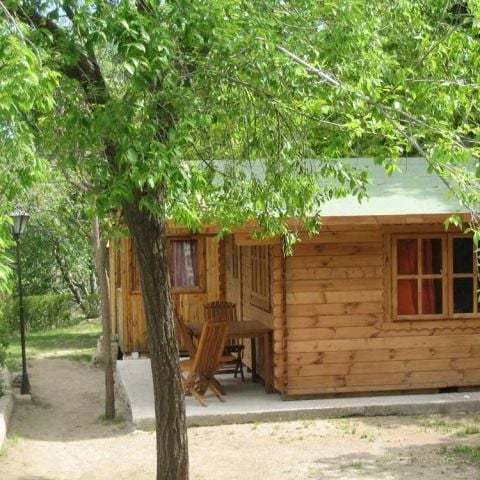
x: 60, y: 436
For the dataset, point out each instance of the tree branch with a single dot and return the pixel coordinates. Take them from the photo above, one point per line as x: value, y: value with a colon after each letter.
x: 389, y: 113
x: 85, y: 70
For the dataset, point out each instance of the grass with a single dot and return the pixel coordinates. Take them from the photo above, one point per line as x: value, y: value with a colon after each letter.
x: 111, y: 421
x: 356, y: 465
x: 442, y: 426
x: 472, y: 453
x: 367, y: 436
x: 346, y: 426
x: 469, y: 430
x: 79, y: 357
x: 457, y: 427
x: 75, y: 343
x: 10, y: 442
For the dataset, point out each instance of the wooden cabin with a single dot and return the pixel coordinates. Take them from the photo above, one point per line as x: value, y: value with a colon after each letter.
x: 383, y: 299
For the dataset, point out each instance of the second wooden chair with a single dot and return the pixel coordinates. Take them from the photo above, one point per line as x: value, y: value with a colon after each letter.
x: 226, y: 311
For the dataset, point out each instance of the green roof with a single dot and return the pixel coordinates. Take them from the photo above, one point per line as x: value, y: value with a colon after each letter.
x: 411, y: 191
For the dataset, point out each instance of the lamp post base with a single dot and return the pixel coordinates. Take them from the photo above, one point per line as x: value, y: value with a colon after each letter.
x: 25, y: 386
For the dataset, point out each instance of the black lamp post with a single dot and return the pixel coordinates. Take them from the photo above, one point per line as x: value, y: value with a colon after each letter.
x: 20, y: 220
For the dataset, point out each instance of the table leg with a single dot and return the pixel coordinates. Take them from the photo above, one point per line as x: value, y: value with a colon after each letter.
x: 254, y: 358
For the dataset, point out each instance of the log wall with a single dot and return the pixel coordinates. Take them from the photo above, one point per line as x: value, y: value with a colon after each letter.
x: 340, y: 333
x: 128, y: 319
x: 330, y: 311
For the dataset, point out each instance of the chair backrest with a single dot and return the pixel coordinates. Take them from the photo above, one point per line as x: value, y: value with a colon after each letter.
x: 184, y: 337
x: 210, y: 348
x: 218, y: 311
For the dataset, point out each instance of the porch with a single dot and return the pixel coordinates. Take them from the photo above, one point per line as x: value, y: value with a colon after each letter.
x: 246, y: 402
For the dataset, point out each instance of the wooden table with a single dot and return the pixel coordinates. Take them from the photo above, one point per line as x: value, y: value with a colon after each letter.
x: 253, y: 330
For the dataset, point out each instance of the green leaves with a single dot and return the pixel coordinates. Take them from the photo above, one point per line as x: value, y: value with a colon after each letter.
x: 196, y: 98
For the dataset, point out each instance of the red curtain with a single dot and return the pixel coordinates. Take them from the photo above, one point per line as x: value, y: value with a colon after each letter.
x: 407, y: 254
x: 407, y: 289
x: 428, y: 287
x: 184, y: 264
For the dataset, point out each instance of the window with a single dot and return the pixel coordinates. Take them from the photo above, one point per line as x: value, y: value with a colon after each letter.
x: 260, y: 277
x: 434, y: 276
x: 186, y: 263
x: 464, y: 282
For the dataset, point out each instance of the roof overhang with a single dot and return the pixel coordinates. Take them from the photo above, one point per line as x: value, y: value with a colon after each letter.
x: 410, y: 195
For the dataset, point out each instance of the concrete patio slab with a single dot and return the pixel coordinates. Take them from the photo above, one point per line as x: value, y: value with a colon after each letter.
x: 247, y: 402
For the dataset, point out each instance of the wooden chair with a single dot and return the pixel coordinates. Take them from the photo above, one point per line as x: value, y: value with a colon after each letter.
x: 203, y: 365
x: 226, y: 311
x: 186, y: 345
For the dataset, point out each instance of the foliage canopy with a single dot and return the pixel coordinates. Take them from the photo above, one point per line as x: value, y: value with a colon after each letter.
x: 203, y: 111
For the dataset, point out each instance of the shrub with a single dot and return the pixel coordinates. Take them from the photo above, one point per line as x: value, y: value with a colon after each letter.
x: 4, y: 331
x: 3, y: 342
x: 91, y: 305
x: 42, y: 312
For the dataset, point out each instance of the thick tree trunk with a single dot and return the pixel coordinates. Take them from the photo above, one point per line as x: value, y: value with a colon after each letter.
x: 100, y: 249
x: 149, y: 237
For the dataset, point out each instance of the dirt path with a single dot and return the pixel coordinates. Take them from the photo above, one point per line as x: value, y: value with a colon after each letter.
x: 60, y: 437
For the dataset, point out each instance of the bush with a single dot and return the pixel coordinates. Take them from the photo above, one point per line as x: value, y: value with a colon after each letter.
x: 91, y: 305
x: 42, y: 312
x: 4, y: 331
x: 3, y: 343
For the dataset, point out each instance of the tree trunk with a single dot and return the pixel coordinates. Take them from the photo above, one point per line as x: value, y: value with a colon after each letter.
x: 93, y: 281
x: 100, y: 249
x: 68, y: 279
x: 148, y: 233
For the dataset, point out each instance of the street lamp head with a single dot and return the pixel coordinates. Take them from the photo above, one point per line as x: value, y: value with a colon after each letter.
x: 20, y: 220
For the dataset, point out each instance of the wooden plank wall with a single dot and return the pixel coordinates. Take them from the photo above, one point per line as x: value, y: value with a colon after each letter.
x: 191, y: 305
x: 340, y: 334
x: 118, y: 284
x: 113, y: 288
x: 132, y: 328
x: 280, y: 327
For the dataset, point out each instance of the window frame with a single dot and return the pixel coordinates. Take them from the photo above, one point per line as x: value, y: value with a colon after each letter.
x: 201, y: 263
x: 260, y: 288
x: 453, y: 275
x: 201, y: 288
x: 446, y: 275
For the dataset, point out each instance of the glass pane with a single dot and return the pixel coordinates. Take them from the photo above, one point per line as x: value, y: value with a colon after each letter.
x: 463, y: 295
x: 407, y: 297
x: 462, y: 255
x: 432, y: 296
x: 184, y: 263
x: 432, y: 255
x: 407, y: 255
